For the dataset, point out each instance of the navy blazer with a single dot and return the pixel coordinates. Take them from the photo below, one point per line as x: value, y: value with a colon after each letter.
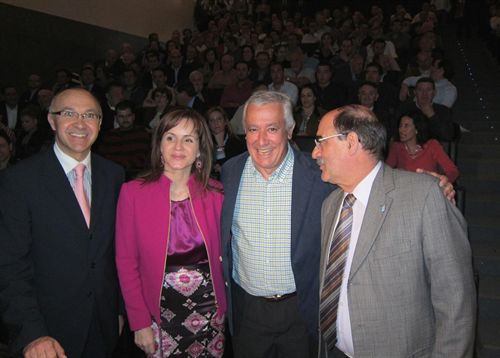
x: 56, y: 274
x: 308, y: 193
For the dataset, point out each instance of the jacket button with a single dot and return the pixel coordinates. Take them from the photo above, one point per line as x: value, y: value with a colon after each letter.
x: 92, y: 265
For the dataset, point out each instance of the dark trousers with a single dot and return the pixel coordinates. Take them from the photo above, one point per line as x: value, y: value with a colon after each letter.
x: 264, y: 329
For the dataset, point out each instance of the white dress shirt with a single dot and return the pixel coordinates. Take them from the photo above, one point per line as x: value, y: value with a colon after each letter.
x: 362, y: 194
x: 68, y: 163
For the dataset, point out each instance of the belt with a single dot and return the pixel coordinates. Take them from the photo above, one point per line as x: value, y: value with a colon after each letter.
x: 279, y: 298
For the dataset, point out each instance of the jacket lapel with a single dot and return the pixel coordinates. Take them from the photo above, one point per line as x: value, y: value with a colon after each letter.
x: 378, y: 206
x: 59, y: 187
x: 98, y: 186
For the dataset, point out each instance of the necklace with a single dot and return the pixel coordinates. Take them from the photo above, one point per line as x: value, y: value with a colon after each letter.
x: 413, y: 152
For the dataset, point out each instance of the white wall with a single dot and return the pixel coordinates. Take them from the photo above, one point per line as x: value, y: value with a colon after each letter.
x: 137, y: 17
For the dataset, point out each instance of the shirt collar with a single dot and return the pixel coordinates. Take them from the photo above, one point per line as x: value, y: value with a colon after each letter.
x: 68, y: 163
x: 362, y: 190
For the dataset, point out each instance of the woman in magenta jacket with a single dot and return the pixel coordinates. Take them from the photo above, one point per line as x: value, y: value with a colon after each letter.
x: 168, y: 244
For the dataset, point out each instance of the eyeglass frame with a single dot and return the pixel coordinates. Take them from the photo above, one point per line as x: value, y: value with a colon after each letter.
x: 318, y: 140
x: 81, y: 116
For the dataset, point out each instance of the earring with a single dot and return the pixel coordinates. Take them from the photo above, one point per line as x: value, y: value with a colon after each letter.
x: 198, y: 164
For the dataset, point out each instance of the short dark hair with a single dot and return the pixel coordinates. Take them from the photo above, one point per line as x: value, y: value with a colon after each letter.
x: 165, y: 91
x: 186, y: 86
x: 360, y: 120
x: 32, y: 111
x: 377, y: 66
x: 368, y: 83
x: 114, y: 84
x: 446, y: 66
x: 426, y: 80
x: 124, y: 105
x: 420, y: 123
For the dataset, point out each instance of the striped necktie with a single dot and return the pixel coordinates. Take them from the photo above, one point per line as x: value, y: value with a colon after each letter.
x: 334, y: 273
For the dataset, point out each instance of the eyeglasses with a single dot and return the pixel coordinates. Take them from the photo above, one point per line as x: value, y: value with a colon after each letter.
x: 68, y: 114
x: 318, y: 140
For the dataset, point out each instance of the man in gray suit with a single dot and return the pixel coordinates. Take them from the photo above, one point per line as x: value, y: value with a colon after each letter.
x: 395, y: 271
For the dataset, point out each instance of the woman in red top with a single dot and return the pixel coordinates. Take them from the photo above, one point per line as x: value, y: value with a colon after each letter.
x: 412, y: 149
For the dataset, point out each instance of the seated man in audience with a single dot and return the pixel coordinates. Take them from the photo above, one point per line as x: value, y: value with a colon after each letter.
x: 297, y: 73
x: 440, y: 123
x: 128, y: 145
x: 196, y: 79
x: 226, y: 76
x: 132, y: 90
x: 262, y: 72
x: 235, y: 95
x: 34, y: 85
x: 280, y: 85
x: 160, y: 80
x: 368, y: 96
x: 114, y: 95
x: 10, y: 110
x: 177, y: 71
x: 329, y: 94
x: 388, y: 93
x: 185, y: 95
x: 87, y: 78
x: 152, y: 62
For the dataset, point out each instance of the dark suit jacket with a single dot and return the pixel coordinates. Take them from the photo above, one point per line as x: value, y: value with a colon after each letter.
x: 3, y: 115
x: 56, y: 274
x: 308, y: 192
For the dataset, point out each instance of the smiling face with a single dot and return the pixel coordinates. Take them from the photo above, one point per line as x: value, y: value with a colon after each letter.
x: 266, y: 136
x: 179, y: 148
x: 75, y: 136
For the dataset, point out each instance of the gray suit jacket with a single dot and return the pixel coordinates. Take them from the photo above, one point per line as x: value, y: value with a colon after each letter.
x: 410, y: 291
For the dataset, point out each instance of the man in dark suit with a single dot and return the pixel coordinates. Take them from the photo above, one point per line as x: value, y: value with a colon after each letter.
x: 395, y: 271
x: 271, y: 237
x: 58, y: 287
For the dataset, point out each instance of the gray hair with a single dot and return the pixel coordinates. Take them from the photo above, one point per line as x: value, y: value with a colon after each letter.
x: 261, y: 98
x: 360, y: 120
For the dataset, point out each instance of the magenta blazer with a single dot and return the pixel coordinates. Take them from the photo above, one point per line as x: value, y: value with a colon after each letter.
x: 142, y: 231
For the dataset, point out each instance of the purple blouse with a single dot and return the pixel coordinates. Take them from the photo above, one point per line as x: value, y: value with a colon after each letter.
x: 186, y: 245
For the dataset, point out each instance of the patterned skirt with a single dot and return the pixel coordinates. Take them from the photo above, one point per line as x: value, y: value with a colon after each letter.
x: 189, y: 324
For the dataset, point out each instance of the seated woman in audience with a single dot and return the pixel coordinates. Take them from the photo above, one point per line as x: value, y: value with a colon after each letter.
x: 31, y: 139
x: 307, y: 114
x: 168, y: 244
x: 226, y: 144
x: 413, y: 149
x: 152, y: 115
